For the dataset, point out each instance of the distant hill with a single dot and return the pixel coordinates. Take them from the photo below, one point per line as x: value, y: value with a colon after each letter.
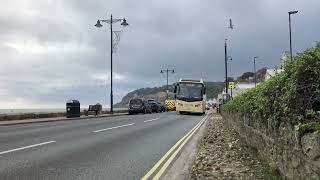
x: 159, y: 93
x: 214, y: 88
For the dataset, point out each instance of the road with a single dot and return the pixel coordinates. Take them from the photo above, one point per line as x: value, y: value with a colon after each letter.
x: 122, y: 147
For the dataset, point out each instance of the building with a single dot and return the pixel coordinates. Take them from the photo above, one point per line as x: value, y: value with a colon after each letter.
x: 272, y: 72
x: 241, y: 88
x: 276, y: 70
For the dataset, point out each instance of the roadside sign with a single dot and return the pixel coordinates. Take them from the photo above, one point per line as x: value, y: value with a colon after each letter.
x: 170, y: 105
x: 231, y: 85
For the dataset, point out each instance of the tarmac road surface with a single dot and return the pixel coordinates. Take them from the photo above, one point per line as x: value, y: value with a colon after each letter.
x: 121, y: 147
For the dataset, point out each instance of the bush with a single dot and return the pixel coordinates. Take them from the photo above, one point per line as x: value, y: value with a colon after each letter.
x: 289, y: 96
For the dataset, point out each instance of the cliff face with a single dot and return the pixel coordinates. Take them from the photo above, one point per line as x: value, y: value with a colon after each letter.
x: 159, y: 93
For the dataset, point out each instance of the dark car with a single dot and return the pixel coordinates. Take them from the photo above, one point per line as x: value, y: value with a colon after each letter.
x: 154, y: 106
x: 138, y: 105
x: 147, y: 106
x: 162, y: 107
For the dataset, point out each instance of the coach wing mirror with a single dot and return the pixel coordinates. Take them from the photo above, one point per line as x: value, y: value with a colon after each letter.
x: 204, y: 90
x: 175, y: 91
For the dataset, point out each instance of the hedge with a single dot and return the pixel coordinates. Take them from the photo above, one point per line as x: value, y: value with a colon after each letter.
x: 292, y: 95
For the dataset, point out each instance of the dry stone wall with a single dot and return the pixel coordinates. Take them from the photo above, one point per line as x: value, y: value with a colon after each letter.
x: 296, y: 156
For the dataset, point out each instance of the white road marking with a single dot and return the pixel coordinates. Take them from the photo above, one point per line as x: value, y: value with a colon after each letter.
x: 151, y: 120
x: 27, y: 147
x: 113, y: 128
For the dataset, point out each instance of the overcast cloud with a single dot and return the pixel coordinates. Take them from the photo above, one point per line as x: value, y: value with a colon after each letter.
x: 51, y: 52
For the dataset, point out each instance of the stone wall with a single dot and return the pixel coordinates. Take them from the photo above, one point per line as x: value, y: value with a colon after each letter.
x: 296, y: 156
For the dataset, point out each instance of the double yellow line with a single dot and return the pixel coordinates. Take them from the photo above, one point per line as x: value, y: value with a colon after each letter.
x: 173, y: 152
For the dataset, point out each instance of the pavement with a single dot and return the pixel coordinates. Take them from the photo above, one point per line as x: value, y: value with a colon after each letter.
x: 120, y: 147
x: 222, y: 154
x: 41, y: 120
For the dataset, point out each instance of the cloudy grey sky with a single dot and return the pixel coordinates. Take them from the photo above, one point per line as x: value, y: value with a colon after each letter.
x: 51, y: 52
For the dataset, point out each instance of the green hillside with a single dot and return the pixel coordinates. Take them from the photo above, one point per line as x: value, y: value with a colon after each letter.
x: 159, y: 93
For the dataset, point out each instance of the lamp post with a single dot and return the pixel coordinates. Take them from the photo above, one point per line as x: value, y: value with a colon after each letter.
x: 99, y: 25
x: 167, y: 71
x: 291, y: 12
x: 226, y: 57
x: 254, y: 69
x: 226, y: 63
x: 229, y: 58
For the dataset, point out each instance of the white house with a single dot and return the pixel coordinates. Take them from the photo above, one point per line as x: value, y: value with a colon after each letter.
x: 241, y: 87
x: 275, y: 71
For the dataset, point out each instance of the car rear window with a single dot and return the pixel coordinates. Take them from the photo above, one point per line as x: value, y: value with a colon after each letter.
x: 136, y: 101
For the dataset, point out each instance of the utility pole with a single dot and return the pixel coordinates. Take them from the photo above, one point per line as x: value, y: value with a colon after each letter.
x: 167, y: 71
x: 226, y: 63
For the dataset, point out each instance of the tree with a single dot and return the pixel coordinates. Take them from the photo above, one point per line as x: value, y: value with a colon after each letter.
x: 246, y: 76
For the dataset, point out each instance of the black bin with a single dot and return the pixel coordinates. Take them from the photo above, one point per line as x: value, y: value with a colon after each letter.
x: 73, y: 108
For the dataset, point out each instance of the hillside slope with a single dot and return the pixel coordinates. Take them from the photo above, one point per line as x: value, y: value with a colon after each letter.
x: 159, y: 93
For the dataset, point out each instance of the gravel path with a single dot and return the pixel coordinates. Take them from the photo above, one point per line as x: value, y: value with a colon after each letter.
x: 221, y: 155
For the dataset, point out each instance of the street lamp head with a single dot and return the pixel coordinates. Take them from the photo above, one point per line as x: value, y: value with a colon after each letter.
x: 98, y: 25
x: 293, y: 12
x: 172, y: 70
x: 161, y: 71
x: 124, y: 22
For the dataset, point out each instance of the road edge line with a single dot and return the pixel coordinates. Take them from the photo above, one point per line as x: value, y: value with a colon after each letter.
x: 171, y: 158
x: 156, y: 166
